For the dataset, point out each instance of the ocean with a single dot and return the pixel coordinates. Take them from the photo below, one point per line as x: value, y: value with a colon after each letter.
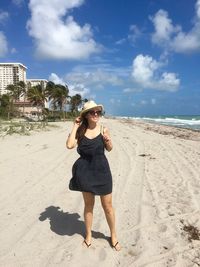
x: 182, y: 121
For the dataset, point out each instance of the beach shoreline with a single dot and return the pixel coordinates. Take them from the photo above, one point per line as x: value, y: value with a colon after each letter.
x: 156, y: 196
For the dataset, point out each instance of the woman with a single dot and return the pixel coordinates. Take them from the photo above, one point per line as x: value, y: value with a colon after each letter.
x: 91, y: 172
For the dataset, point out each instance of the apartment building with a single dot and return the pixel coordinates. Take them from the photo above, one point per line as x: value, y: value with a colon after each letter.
x: 11, y: 73
x: 42, y: 82
x: 34, y: 82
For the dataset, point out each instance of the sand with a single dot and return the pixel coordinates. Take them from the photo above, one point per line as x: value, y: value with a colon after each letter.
x: 156, y: 195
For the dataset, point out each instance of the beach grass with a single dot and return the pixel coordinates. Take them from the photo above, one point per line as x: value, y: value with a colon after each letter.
x: 23, y: 127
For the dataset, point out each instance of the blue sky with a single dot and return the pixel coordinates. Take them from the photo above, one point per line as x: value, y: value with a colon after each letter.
x: 136, y: 57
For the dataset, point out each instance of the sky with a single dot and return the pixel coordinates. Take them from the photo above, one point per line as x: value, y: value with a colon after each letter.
x: 136, y: 57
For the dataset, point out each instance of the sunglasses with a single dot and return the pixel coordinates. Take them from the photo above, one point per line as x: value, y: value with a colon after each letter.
x: 95, y: 112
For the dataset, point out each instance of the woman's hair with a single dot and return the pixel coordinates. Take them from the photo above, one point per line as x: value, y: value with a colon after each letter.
x: 82, y: 129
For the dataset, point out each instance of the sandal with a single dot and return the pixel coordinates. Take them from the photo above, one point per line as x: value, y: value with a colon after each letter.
x: 88, y: 245
x: 115, y: 246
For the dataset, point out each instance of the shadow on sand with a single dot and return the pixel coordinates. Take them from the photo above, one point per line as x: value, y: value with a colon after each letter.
x: 65, y: 223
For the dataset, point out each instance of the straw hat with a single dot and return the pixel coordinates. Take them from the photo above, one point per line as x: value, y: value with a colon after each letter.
x: 90, y: 105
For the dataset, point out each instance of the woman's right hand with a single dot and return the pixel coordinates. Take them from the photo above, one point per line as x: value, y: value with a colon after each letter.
x: 78, y: 121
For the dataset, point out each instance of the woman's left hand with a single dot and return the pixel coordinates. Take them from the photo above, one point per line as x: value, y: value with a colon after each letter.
x: 106, y: 138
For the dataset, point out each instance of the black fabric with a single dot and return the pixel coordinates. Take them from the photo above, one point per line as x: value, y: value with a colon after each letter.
x: 91, y: 171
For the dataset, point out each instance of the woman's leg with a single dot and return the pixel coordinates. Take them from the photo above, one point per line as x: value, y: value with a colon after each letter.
x: 106, y: 202
x: 89, y: 200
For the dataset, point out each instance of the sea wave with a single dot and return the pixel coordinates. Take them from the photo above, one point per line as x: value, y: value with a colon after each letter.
x: 191, y: 122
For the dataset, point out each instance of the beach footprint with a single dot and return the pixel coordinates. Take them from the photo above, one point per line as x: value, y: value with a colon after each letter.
x: 102, y: 254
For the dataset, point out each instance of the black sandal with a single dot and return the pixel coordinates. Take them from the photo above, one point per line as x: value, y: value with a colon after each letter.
x: 114, y: 246
x: 88, y: 245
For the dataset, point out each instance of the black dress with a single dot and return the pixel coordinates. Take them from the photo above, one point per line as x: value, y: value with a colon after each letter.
x: 91, y: 171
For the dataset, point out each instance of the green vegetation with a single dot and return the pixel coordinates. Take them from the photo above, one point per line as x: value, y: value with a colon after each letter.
x: 56, y: 94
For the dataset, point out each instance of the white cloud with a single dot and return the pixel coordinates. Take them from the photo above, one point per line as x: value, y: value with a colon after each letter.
x: 130, y: 90
x: 98, y: 78
x: 173, y: 37
x: 134, y: 34
x: 153, y: 101
x: 18, y: 2
x: 146, y: 72
x: 58, y: 37
x: 78, y: 89
x: 75, y: 88
x: 3, y: 16
x: 143, y: 69
x: 3, y: 45
x: 121, y: 41
x: 169, y: 81
x: 56, y: 79
x: 163, y: 28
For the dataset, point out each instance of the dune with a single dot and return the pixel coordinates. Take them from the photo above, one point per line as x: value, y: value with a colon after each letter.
x: 156, y: 195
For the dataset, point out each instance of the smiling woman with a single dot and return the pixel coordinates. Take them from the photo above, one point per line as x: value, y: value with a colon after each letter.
x: 91, y: 172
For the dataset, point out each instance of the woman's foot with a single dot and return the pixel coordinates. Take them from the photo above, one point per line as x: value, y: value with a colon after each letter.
x: 86, y: 243
x: 115, y: 244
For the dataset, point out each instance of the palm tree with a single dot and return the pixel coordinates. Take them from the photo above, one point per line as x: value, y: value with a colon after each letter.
x: 49, y: 92
x: 58, y: 95
x: 37, y: 97
x: 12, y: 95
x: 22, y: 89
x: 75, y: 102
x: 5, y: 105
x: 16, y: 91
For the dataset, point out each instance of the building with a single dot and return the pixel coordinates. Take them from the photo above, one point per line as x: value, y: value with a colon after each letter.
x: 42, y: 82
x: 11, y: 73
x: 34, y: 82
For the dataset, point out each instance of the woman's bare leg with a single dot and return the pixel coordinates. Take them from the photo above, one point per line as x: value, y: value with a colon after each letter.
x: 106, y: 202
x: 89, y: 200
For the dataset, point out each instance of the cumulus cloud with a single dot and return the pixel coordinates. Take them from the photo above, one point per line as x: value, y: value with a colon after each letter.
x: 143, y: 69
x: 172, y: 37
x: 3, y: 45
x: 3, y: 16
x: 57, y: 36
x: 56, y: 79
x: 163, y: 28
x: 146, y: 72
x: 74, y: 88
x: 78, y: 89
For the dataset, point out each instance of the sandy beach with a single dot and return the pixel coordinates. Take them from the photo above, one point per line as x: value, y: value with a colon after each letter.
x: 156, y: 195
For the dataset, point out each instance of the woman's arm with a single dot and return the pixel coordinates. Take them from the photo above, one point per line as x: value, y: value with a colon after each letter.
x: 107, y: 140
x: 71, y: 140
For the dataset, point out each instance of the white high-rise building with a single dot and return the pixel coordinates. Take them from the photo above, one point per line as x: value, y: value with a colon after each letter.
x: 11, y: 73
x: 34, y: 82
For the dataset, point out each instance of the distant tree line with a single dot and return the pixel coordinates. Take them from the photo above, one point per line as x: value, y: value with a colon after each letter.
x: 55, y: 94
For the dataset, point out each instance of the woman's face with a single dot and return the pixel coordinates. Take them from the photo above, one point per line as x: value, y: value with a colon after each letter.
x: 94, y: 114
